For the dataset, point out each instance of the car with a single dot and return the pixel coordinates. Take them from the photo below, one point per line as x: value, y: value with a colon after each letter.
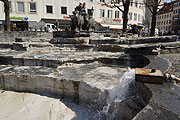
x: 50, y: 27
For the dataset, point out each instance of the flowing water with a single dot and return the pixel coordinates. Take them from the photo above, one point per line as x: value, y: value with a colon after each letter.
x: 117, y: 95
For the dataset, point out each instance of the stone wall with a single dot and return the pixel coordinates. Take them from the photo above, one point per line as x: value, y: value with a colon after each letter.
x: 10, y: 36
x: 158, y: 39
x: 50, y: 86
x: 79, y: 90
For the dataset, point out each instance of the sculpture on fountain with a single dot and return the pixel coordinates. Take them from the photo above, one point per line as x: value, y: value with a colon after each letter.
x: 80, y: 20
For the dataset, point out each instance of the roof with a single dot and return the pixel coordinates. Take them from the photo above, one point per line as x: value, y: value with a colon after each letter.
x: 168, y: 7
x: 177, y: 1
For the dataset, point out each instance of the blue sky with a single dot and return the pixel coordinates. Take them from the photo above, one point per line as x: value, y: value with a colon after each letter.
x: 168, y: 0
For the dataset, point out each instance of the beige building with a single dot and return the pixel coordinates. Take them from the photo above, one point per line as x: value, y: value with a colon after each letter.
x: 176, y: 17
x: 148, y: 13
x: 164, y: 17
x: 112, y: 17
x: 43, y: 11
x: 58, y: 11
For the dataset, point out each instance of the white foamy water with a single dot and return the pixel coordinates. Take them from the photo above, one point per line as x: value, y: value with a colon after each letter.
x: 116, y: 95
x: 120, y: 92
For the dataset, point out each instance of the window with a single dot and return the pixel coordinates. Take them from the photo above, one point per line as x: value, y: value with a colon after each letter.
x: 32, y: 7
x: 142, y: 18
x: 102, y: 13
x: 131, y: 3
x: 117, y: 1
x: 139, y: 17
x: 20, y: 6
x: 10, y: 7
x: 63, y: 10
x: 49, y: 9
x: 102, y: 0
x: 136, y: 4
x: 135, y: 16
x: 130, y: 16
x: 116, y: 14
x: 109, y: 14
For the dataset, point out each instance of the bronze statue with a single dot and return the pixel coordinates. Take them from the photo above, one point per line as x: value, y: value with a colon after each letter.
x: 82, y: 21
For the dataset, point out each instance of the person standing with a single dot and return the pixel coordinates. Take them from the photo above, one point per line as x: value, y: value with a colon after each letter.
x: 57, y: 28
x: 83, y: 11
x: 79, y: 7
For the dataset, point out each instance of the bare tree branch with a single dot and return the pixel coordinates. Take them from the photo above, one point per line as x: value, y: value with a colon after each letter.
x: 125, y: 9
x: 113, y: 6
x: 149, y: 7
x: 107, y: 5
x: 118, y: 7
x: 123, y: 2
x: 159, y: 2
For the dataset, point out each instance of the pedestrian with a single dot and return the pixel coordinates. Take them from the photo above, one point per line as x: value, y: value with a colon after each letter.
x: 57, y: 28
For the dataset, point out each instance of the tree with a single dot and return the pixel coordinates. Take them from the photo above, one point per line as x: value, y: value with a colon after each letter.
x: 153, y: 6
x: 7, y: 15
x: 125, y: 10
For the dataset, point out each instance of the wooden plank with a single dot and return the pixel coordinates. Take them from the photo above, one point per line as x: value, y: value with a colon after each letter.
x: 149, y: 76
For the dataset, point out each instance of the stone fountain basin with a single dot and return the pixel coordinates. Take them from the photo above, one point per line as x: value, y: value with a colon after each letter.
x: 84, y: 83
x: 83, y: 76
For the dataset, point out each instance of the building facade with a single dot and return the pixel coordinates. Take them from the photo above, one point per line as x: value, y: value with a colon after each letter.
x: 42, y: 11
x: 112, y: 17
x: 58, y: 11
x: 176, y: 17
x: 164, y: 17
x: 148, y: 13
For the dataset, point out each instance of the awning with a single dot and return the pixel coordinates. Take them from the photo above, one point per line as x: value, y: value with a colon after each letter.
x: 113, y: 26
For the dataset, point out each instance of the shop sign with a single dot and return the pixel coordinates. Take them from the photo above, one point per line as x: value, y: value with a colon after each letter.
x: 111, y: 21
x: 117, y: 20
x: 26, y: 18
x: 19, y: 18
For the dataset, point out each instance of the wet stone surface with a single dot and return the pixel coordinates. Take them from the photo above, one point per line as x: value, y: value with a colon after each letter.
x: 88, y: 81
x: 165, y: 102
x: 94, y: 74
x: 28, y: 70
